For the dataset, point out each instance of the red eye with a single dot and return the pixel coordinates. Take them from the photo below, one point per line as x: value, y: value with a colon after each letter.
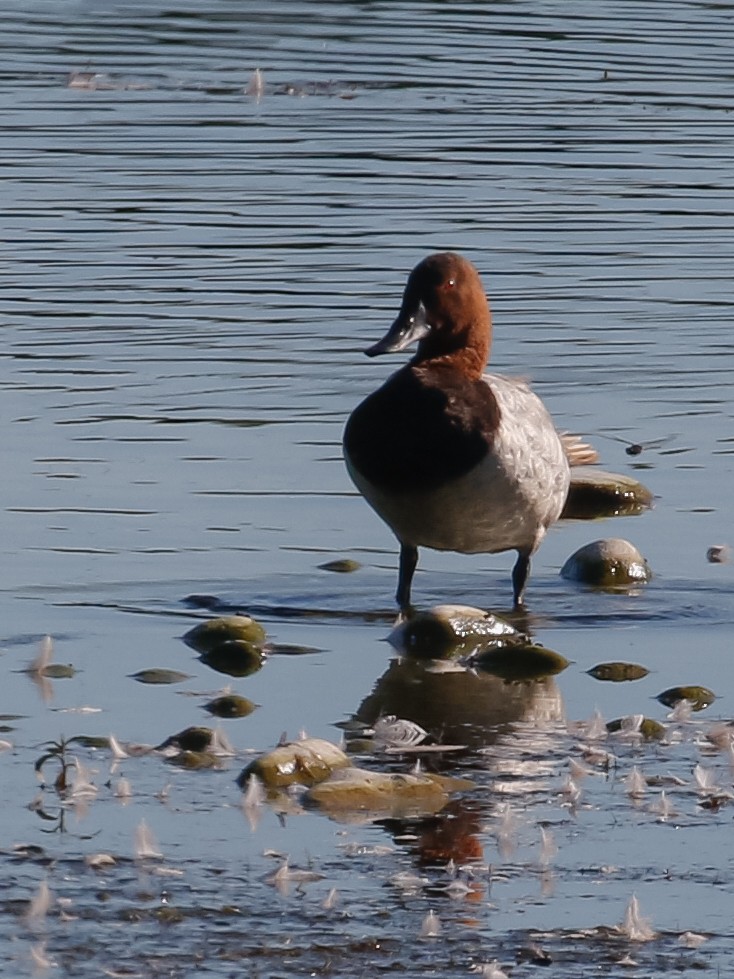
x: 450, y: 283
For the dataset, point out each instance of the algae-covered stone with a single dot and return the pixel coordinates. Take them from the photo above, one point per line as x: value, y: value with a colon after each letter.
x: 230, y: 705
x: 380, y: 795
x: 194, y: 760
x: 618, y: 672
x: 190, y: 739
x: 341, y: 566
x: 57, y: 671
x: 237, y: 657
x: 594, y: 493
x: 157, y: 675
x: 698, y: 697
x: 210, y: 634
x: 304, y: 762
x: 646, y: 727
x: 525, y: 661
x: 450, y: 630
x: 607, y: 563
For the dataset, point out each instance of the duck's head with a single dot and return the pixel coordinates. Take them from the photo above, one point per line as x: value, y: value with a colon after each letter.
x: 445, y: 311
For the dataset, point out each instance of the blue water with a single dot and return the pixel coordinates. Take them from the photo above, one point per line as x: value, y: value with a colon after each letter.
x: 190, y: 274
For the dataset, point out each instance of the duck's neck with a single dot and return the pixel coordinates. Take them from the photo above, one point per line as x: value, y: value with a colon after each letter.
x: 464, y: 349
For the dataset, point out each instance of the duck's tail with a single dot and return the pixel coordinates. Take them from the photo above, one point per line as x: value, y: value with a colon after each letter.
x: 577, y: 452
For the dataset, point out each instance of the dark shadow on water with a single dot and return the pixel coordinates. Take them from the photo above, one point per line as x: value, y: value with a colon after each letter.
x: 456, y: 705
x: 294, y: 597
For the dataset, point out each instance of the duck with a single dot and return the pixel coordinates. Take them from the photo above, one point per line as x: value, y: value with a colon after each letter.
x: 450, y: 457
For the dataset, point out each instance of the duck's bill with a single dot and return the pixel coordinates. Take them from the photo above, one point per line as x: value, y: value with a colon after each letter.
x: 408, y: 328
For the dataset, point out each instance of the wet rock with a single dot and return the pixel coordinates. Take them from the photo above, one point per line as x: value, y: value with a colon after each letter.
x: 646, y: 727
x: 524, y: 661
x: 42, y: 667
x: 190, y: 739
x: 356, y: 792
x: 213, y: 633
x: 698, y: 697
x: 231, y: 644
x: 304, y: 762
x: 234, y: 658
x: 341, y: 566
x: 157, y: 675
x: 230, y: 705
x: 607, y: 563
x: 58, y: 671
x: 596, y: 493
x: 618, y: 672
x: 449, y: 631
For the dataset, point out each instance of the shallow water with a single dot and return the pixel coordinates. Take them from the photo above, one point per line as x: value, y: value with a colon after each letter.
x: 190, y: 274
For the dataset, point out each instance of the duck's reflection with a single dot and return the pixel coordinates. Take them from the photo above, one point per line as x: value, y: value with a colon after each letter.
x: 457, y: 705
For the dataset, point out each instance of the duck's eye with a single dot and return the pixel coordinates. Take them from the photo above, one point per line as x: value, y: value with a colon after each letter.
x: 450, y: 283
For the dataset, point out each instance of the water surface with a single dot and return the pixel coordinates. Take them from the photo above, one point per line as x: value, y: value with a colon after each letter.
x: 190, y: 274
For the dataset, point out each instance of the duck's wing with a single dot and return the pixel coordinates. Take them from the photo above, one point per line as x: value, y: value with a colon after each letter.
x: 577, y: 452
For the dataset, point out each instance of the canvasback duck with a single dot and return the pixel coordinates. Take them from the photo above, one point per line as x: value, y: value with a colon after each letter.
x: 449, y: 457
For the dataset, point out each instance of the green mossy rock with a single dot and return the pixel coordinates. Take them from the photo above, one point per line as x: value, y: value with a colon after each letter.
x: 524, y: 661
x: 618, y: 672
x: 158, y: 675
x: 450, y: 631
x: 371, y: 795
x: 341, y: 566
x: 57, y: 671
x: 607, y: 563
x: 650, y: 729
x: 230, y: 705
x: 211, y: 634
x: 237, y: 657
x: 190, y: 739
x: 698, y: 697
x: 595, y: 493
x: 303, y: 762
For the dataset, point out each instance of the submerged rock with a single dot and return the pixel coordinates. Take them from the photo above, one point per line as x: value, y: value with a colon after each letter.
x: 194, y: 760
x: 478, y: 639
x: 341, y: 566
x: 190, y: 739
x: 213, y: 633
x: 236, y: 657
x: 231, y: 644
x: 595, y: 493
x: 304, y: 762
x: 379, y: 795
x: 618, y: 672
x: 230, y: 705
x: 58, y: 671
x: 698, y: 697
x: 158, y: 675
x: 637, y: 724
x: 523, y: 661
x: 607, y: 563
x: 448, y: 631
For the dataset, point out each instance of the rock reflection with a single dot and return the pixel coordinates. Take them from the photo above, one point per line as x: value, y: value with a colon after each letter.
x: 459, y: 706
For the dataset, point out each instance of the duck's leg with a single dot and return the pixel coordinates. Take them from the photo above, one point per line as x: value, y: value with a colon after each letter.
x: 520, y: 577
x: 408, y: 562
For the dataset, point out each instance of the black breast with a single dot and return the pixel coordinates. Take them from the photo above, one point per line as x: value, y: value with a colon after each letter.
x: 422, y: 428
